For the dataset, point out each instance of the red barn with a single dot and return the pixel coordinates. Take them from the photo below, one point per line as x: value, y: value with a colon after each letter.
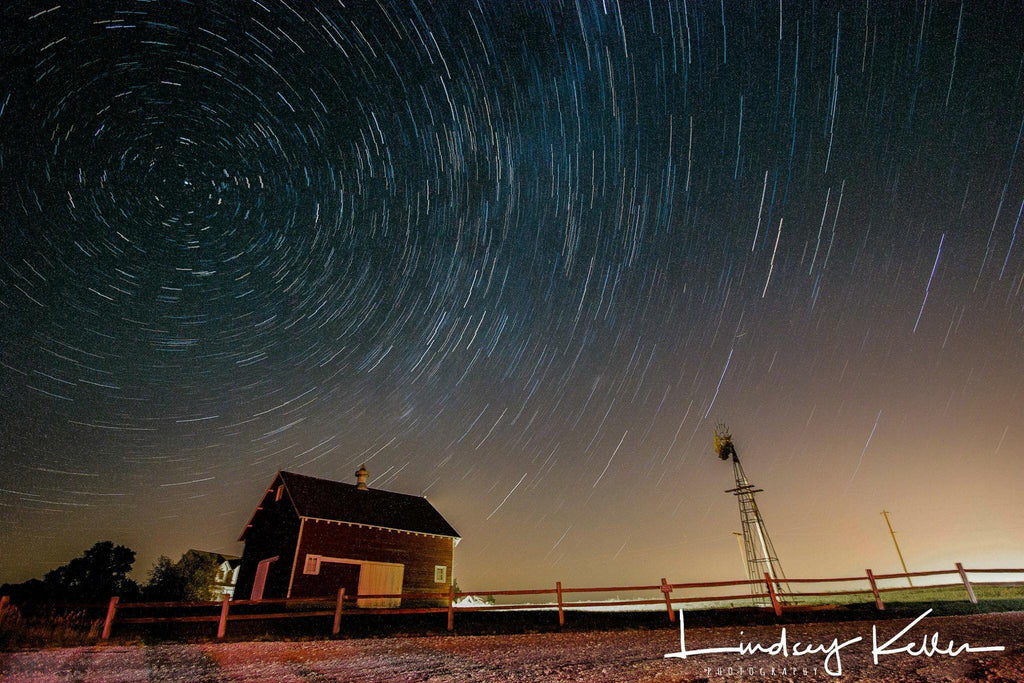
x: 308, y: 537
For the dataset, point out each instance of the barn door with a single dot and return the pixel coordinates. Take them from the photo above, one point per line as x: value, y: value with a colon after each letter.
x: 261, y: 578
x: 376, y: 578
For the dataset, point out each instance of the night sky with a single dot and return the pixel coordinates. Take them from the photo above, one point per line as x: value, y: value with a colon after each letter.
x: 518, y: 257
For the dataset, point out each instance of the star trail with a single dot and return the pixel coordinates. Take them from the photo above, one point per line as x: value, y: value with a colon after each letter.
x: 518, y: 257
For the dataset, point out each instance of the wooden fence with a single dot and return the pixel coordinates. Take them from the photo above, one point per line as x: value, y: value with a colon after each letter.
x: 769, y: 590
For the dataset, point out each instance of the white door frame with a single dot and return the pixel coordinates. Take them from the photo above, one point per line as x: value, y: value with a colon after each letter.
x: 259, y: 583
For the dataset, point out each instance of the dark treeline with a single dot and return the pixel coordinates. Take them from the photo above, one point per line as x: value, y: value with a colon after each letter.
x: 102, y: 571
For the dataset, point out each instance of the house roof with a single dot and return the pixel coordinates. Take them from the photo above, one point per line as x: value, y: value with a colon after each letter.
x: 219, y: 558
x: 333, y: 500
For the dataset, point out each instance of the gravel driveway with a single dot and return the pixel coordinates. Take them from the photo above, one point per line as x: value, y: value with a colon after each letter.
x: 575, y: 656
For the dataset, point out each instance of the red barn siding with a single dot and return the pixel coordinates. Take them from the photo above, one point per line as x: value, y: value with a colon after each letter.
x: 274, y: 530
x: 418, y: 553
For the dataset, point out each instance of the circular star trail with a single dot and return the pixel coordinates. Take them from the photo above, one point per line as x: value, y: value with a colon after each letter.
x: 518, y: 257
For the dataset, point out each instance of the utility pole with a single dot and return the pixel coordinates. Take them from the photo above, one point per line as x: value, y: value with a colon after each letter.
x: 885, y: 513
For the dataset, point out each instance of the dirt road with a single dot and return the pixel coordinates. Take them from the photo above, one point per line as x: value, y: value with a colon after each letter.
x: 589, y: 656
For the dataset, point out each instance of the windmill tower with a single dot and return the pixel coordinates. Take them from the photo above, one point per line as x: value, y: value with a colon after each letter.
x: 757, y: 544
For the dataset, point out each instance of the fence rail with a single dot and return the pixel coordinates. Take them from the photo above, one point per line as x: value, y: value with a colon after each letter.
x: 768, y: 589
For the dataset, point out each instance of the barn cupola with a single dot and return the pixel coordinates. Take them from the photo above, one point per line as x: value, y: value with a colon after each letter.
x: 361, y: 475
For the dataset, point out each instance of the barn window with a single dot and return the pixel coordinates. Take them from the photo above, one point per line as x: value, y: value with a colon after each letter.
x: 312, y: 565
x: 280, y: 492
x: 440, y: 573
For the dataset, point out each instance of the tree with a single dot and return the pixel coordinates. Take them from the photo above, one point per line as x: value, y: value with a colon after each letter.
x: 101, y: 572
x: 164, y: 581
x: 199, y: 573
x: 191, y: 578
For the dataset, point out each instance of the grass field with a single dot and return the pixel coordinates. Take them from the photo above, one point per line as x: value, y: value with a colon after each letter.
x: 928, y: 594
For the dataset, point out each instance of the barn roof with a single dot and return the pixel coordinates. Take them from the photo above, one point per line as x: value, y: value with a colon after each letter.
x: 333, y: 500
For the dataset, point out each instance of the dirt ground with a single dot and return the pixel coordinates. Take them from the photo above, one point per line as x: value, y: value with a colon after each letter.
x: 578, y: 656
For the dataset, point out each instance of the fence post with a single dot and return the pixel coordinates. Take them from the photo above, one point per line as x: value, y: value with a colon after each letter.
x: 666, y: 588
x: 967, y: 584
x: 451, y: 607
x: 771, y: 592
x: 222, y: 625
x: 111, y: 611
x: 561, y: 614
x: 337, y: 612
x: 874, y: 589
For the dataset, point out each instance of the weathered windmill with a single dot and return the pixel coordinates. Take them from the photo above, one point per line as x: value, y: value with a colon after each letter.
x: 757, y: 544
